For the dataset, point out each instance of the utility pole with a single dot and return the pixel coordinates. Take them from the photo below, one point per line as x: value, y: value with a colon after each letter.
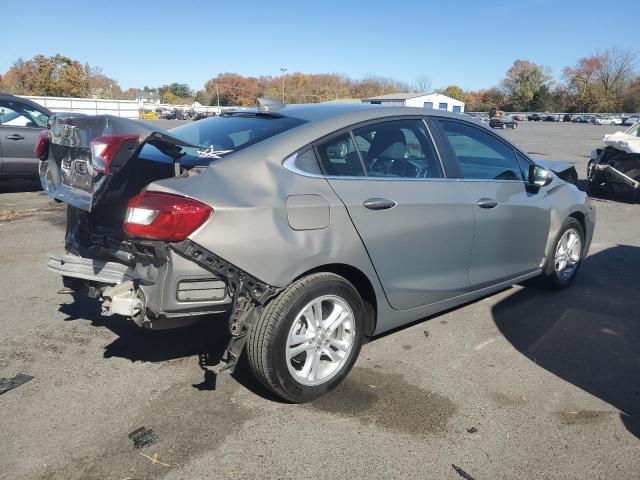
x: 218, y: 95
x: 283, y: 70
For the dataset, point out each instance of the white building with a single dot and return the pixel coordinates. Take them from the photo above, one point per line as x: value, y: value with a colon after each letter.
x: 148, y: 98
x: 417, y: 99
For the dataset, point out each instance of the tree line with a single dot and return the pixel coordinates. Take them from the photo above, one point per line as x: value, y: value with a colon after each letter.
x: 607, y: 81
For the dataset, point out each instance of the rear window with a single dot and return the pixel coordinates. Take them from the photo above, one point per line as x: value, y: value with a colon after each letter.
x: 222, y: 135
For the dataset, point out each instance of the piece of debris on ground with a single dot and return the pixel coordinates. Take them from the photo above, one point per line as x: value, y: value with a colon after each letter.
x: 472, y: 430
x: 426, y: 333
x: 154, y: 459
x: 143, y: 438
x: 462, y: 473
x: 7, y: 384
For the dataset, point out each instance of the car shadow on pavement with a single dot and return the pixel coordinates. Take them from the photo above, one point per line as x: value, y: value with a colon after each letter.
x: 16, y: 186
x: 588, y: 334
x: 205, y: 340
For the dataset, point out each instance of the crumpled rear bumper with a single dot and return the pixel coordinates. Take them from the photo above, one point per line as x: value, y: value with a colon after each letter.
x: 164, y: 296
x: 95, y: 270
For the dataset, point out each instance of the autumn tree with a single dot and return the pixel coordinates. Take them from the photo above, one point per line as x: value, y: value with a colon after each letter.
x: 484, y: 100
x: 234, y: 89
x: 101, y: 86
x: 522, y: 81
x: 58, y: 76
x: 170, y: 97
x: 180, y: 90
x: 237, y: 90
x: 54, y: 76
x: 632, y: 96
x: 204, y: 98
x: 454, y: 91
x: 601, y: 81
x: 541, y: 101
x: 582, y: 84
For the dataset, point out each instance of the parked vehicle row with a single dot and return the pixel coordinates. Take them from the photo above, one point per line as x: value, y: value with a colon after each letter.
x: 367, y: 218
x: 182, y: 114
x: 567, y: 117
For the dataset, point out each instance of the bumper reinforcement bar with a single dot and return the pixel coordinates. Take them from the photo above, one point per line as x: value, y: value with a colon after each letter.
x: 249, y: 295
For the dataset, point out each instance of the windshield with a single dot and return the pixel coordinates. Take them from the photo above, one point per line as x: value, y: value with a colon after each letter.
x: 635, y: 130
x: 222, y: 135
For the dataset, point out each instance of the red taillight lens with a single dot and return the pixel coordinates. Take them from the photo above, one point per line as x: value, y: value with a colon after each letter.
x: 162, y: 216
x: 43, y: 142
x: 105, y: 148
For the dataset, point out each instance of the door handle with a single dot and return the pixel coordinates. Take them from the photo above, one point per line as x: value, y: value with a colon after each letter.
x: 379, y: 204
x: 487, y: 203
x: 15, y: 136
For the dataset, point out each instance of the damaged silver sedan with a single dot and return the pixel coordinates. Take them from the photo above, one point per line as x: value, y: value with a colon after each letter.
x: 314, y: 226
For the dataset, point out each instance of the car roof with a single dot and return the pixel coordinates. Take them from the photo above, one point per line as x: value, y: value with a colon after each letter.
x: 313, y: 112
x: 322, y: 120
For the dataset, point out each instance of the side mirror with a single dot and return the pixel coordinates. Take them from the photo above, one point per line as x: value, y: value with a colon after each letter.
x: 539, y: 176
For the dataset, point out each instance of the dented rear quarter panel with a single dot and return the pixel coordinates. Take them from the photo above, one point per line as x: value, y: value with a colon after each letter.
x: 250, y: 227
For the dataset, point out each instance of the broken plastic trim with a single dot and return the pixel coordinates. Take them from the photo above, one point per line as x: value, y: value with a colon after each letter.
x: 249, y: 295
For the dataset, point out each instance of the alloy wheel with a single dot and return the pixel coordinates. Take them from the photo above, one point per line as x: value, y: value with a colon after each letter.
x: 320, y: 340
x: 567, y: 255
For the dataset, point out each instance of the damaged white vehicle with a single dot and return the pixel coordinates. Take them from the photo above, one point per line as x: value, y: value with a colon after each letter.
x: 616, y: 167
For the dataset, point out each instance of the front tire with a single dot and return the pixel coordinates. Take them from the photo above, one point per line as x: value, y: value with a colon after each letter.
x: 563, y: 261
x: 308, y: 337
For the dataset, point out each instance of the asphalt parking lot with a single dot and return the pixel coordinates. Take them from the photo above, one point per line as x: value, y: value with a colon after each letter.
x: 525, y: 384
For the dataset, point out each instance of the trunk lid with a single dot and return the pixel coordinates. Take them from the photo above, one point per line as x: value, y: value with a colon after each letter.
x: 87, y: 153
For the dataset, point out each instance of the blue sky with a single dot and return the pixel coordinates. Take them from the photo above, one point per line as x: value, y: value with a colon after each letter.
x: 466, y: 42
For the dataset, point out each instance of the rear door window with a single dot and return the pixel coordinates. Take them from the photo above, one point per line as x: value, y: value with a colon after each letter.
x: 339, y: 157
x: 400, y: 149
x: 481, y: 155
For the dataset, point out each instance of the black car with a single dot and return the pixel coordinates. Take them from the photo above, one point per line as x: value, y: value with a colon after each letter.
x: 534, y: 117
x: 505, y: 121
x: 21, y: 122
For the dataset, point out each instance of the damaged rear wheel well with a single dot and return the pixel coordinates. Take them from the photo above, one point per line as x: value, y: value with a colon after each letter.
x: 362, y: 284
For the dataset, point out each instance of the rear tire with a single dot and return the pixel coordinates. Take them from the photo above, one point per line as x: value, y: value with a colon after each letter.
x: 565, y: 257
x: 295, y: 348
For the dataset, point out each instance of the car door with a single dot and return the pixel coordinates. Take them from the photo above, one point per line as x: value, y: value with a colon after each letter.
x: 512, y: 221
x: 20, y: 126
x: 416, y: 225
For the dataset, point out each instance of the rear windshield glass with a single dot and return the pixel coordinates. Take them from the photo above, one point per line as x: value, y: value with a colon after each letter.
x: 221, y: 136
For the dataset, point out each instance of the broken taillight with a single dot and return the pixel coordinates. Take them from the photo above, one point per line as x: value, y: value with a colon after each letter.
x: 164, y: 216
x: 105, y: 148
x: 42, y: 144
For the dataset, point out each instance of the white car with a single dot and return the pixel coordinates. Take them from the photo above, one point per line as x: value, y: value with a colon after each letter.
x: 631, y: 121
x: 608, y: 121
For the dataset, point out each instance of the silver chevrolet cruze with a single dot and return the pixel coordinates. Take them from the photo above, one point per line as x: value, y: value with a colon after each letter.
x: 314, y: 226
